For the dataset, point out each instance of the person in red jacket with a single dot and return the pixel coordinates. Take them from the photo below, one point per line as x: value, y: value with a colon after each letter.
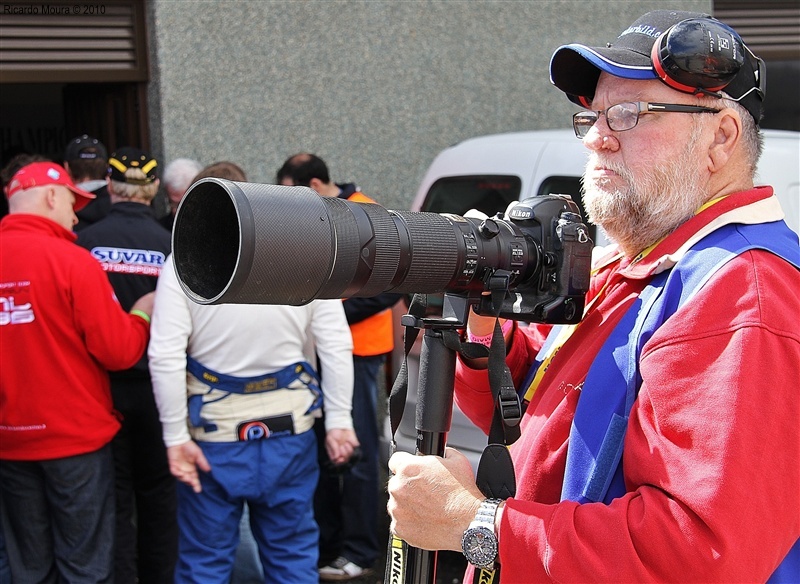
x: 659, y: 438
x: 61, y: 330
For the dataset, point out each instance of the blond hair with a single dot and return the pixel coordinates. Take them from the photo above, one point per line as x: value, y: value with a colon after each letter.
x: 142, y: 191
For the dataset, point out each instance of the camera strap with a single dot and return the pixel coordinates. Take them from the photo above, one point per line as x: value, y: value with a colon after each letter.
x: 508, y: 406
x: 399, y: 392
x: 495, y: 477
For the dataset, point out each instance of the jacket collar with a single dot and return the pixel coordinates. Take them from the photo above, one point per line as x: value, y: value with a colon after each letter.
x: 25, y: 222
x: 757, y: 205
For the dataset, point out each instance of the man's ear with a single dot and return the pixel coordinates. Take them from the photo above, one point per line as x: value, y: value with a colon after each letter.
x: 316, y: 184
x: 50, y: 197
x: 727, y: 135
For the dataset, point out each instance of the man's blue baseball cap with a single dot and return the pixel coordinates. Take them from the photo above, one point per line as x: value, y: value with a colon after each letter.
x: 575, y: 68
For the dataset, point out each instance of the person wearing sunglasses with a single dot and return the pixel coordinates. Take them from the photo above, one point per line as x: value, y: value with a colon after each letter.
x: 659, y: 440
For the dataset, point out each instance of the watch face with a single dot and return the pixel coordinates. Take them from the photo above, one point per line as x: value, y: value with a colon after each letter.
x: 479, y: 545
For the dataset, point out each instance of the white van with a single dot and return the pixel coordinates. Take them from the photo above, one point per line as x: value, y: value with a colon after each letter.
x: 489, y: 172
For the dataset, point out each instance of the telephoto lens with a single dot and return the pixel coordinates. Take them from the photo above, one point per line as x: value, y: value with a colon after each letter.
x: 250, y: 243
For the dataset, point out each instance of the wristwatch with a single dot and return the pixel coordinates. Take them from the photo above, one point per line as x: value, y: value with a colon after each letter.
x: 479, y: 542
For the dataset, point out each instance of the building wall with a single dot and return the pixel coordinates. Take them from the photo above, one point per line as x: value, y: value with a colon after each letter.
x: 375, y: 88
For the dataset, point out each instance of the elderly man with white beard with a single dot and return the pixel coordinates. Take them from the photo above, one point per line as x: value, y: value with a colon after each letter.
x: 659, y: 437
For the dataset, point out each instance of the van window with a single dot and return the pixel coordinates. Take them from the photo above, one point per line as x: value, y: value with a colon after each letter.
x: 567, y: 185
x: 487, y: 193
x: 562, y: 185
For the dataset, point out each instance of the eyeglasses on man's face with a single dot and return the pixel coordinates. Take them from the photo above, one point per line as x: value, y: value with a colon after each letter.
x: 625, y: 116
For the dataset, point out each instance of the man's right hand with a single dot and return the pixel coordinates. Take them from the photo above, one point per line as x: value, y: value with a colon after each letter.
x: 184, y: 460
x: 340, y: 444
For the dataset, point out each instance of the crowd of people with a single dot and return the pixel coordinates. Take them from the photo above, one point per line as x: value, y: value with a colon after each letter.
x: 147, y: 438
x: 154, y: 439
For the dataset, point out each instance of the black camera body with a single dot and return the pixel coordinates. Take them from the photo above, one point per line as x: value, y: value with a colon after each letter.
x: 556, y: 291
x: 250, y: 243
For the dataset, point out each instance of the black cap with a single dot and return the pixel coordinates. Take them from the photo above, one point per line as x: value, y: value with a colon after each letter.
x: 575, y: 68
x: 85, y: 148
x: 128, y: 157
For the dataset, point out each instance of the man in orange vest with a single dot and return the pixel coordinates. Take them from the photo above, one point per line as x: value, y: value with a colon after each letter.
x: 346, y: 499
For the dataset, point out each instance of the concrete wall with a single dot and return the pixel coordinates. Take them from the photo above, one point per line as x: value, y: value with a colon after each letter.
x: 375, y: 88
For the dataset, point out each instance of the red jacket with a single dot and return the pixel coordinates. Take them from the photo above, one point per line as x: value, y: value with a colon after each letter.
x: 61, y: 328
x: 712, y: 448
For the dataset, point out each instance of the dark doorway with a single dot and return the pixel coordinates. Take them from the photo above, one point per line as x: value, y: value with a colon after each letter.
x: 41, y: 117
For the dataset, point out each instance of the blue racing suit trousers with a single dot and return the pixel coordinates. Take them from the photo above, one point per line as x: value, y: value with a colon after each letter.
x: 277, y: 478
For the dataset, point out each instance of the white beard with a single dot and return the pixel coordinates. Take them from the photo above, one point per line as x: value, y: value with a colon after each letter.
x: 651, y: 205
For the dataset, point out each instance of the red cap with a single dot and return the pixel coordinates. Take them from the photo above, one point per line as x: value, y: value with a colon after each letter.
x: 39, y: 174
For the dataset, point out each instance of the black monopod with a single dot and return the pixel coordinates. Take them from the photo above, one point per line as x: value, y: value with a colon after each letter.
x: 406, y: 564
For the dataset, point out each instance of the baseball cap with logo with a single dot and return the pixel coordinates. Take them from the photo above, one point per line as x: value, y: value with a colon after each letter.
x: 129, y: 157
x: 575, y: 68
x: 40, y: 174
x: 85, y: 148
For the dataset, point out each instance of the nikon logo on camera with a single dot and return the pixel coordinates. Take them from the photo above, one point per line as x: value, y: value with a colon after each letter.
x: 520, y: 213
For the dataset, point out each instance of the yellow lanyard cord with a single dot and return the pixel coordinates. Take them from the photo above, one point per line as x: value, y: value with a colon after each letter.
x: 565, y: 333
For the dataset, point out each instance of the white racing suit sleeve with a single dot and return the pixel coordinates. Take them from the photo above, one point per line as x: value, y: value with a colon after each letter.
x: 169, y: 336
x: 334, y: 346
